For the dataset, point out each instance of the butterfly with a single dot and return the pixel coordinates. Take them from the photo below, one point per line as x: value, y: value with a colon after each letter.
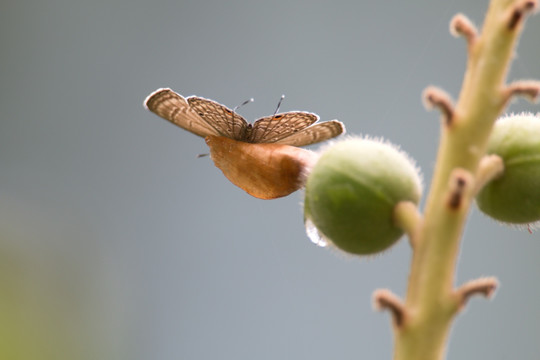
x: 263, y: 158
x: 204, y: 117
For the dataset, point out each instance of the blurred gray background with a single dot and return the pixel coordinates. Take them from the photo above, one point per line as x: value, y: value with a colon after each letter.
x: 116, y: 242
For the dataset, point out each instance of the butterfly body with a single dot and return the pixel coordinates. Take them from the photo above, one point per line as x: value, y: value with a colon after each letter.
x: 265, y: 171
x: 262, y: 158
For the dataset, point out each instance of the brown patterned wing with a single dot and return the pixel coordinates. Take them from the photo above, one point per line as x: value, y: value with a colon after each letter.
x: 314, y: 134
x: 226, y: 122
x: 174, y: 108
x: 272, y: 129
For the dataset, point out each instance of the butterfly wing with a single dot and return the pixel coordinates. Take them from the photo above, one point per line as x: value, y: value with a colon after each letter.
x: 227, y: 122
x: 272, y: 129
x: 174, y: 108
x: 314, y: 134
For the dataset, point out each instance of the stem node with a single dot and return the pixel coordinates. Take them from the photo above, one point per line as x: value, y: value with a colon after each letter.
x: 461, y: 185
x: 518, y: 11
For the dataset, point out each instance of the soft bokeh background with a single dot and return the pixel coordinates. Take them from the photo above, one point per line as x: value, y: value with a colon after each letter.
x: 116, y: 242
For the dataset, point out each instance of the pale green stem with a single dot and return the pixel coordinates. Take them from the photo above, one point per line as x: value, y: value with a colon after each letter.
x: 431, y: 302
x: 408, y: 218
x: 490, y: 167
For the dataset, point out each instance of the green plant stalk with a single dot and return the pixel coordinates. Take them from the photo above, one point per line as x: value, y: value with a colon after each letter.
x: 431, y: 302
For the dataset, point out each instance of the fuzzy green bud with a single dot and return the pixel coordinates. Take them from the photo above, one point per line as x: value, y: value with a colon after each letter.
x: 514, y: 197
x: 351, y: 193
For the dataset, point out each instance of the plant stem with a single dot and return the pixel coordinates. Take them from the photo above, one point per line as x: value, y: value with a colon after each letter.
x: 431, y: 302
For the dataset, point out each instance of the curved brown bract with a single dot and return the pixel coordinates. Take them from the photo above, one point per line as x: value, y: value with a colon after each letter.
x: 265, y: 171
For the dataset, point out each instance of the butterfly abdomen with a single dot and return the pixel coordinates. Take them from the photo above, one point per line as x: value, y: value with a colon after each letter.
x: 266, y: 171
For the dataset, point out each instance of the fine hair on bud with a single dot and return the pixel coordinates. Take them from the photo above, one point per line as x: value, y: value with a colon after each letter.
x: 514, y: 196
x: 351, y: 193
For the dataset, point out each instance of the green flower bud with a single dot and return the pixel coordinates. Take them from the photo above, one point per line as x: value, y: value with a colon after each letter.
x: 351, y: 193
x: 514, y: 197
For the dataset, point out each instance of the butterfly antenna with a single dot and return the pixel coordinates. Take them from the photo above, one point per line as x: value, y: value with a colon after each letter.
x: 244, y: 103
x: 237, y: 107
x: 275, y: 112
x: 278, y: 105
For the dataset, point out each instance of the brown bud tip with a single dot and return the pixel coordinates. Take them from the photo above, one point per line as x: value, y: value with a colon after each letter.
x: 461, y: 183
x: 527, y: 88
x: 384, y: 299
x: 518, y: 11
x: 460, y: 25
x: 436, y: 98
